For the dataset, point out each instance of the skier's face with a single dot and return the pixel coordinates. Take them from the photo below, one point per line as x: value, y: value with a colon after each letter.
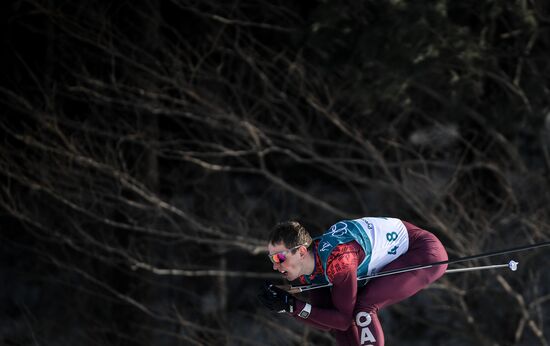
x: 286, y: 261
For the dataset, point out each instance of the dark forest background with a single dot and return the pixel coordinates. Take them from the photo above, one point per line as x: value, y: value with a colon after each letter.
x: 147, y: 147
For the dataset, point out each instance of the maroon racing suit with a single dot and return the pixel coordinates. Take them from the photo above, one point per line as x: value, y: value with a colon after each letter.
x: 351, y: 312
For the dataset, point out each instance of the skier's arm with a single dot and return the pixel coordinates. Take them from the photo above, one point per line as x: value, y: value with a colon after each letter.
x: 319, y: 298
x: 342, y: 272
x: 344, y: 292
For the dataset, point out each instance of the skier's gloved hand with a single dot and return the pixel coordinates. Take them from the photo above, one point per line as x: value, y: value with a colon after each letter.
x: 276, y: 299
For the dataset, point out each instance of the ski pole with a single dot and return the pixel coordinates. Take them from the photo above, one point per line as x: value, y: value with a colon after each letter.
x: 462, y: 259
x: 512, y: 265
x: 429, y: 265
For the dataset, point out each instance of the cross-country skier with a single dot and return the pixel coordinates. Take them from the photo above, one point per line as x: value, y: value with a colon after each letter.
x: 349, y: 249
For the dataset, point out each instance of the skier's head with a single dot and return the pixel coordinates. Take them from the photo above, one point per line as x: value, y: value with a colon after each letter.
x: 288, y: 249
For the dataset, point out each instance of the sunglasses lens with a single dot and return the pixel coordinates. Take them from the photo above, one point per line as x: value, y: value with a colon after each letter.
x: 277, y: 258
x: 274, y: 258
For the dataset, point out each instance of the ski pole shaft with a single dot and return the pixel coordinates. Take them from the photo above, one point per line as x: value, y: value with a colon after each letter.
x: 462, y: 259
x: 512, y: 265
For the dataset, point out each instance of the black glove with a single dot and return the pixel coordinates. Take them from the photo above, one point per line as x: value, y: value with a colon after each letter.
x: 276, y: 299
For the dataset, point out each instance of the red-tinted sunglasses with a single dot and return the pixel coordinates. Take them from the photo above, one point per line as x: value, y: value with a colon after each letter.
x: 280, y: 257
